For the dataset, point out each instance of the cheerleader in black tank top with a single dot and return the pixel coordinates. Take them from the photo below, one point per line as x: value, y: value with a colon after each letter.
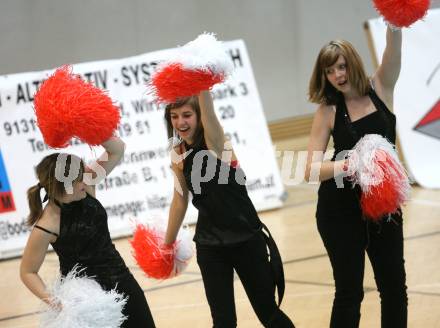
x: 229, y: 235
x: 76, y: 226
x: 345, y: 135
x: 226, y: 214
x: 352, y: 106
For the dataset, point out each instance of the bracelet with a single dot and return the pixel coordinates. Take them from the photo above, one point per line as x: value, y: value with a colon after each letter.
x: 345, y: 166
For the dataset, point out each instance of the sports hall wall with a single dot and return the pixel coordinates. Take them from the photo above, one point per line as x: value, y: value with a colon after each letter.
x: 282, y: 36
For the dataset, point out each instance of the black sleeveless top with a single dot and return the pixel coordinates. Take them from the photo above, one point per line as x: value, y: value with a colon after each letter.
x: 84, y: 240
x: 226, y: 213
x: 339, y: 201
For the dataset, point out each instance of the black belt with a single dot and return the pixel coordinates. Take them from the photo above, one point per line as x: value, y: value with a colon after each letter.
x: 275, y: 262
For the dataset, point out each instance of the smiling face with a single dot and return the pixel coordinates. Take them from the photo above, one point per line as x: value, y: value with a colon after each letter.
x: 184, y: 122
x: 183, y: 118
x: 337, y: 75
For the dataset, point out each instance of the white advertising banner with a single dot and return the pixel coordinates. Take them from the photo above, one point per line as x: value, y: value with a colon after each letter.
x: 417, y: 95
x: 141, y: 186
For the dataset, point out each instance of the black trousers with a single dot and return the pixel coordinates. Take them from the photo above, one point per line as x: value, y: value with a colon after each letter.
x: 250, y: 261
x: 136, y: 309
x: 346, y: 239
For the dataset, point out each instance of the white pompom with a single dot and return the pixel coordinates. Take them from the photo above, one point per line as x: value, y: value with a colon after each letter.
x: 184, y: 250
x: 204, y: 53
x: 85, y: 304
x: 191, y: 69
x: 373, y: 164
x: 364, y: 164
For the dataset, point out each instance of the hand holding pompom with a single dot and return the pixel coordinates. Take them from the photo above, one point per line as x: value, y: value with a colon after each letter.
x: 374, y: 165
x: 157, y: 260
x: 80, y: 302
x: 195, y: 67
x: 402, y: 13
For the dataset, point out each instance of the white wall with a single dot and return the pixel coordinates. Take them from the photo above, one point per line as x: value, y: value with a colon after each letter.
x: 283, y: 36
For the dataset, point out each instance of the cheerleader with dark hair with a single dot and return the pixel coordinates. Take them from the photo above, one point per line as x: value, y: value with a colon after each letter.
x: 229, y: 235
x: 75, y: 223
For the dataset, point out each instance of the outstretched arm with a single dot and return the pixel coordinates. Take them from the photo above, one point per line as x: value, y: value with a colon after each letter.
x: 388, y: 72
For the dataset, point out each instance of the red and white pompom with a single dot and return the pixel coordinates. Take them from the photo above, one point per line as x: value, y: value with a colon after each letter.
x: 402, y: 13
x: 157, y: 260
x: 66, y: 106
x: 373, y: 164
x: 197, y: 66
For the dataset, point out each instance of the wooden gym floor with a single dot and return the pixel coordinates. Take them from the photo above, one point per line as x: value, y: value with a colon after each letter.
x: 181, y: 302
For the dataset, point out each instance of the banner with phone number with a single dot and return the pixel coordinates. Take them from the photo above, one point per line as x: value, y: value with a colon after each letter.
x: 141, y: 187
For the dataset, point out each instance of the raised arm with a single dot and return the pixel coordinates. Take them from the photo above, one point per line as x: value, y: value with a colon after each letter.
x: 213, y: 131
x: 319, y: 138
x: 114, y: 150
x: 179, y: 204
x: 386, y: 76
x: 99, y: 170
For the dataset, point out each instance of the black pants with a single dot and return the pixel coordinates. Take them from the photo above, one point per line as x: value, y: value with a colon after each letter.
x: 250, y: 261
x: 136, y: 309
x: 346, y: 240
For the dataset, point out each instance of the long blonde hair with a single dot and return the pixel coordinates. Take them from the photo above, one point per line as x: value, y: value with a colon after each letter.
x: 320, y: 89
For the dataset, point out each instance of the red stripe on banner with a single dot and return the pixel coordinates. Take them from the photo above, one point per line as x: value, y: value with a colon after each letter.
x: 433, y: 115
x: 6, y: 202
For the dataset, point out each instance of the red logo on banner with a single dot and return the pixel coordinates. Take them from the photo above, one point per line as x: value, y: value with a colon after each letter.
x: 6, y: 202
x: 6, y: 198
x: 430, y: 123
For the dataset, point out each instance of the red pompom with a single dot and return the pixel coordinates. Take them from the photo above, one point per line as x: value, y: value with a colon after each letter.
x: 173, y: 81
x: 152, y: 256
x: 66, y: 107
x: 188, y: 70
x: 381, y: 200
x: 402, y: 13
x: 373, y: 164
x: 387, y: 196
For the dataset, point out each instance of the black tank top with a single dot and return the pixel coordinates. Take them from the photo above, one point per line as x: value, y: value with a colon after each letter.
x: 226, y: 213
x: 84, y: 239
x: 336, y: 201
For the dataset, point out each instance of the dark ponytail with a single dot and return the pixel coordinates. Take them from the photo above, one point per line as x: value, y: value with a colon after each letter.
x: 35, y: 205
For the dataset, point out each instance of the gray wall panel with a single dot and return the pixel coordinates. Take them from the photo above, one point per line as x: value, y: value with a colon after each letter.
x: 283, y: 36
